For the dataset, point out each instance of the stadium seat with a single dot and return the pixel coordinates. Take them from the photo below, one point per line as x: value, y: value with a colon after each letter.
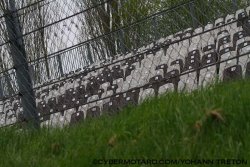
x: 2, y: 118
x: 243, y: 53
x: 227, y: 58
x: 219, y: 22
x: 223, y: 37
x: 232, y: 24
x: 173, y: 77
x: 131, y: 97
x: 80, y: 90
x: 148, y: 60
x: 208, y: 71
x: 92, y: 87
x: 130, y: 61
x: 248, y: 10
x: 241, y: 16
x: 76, y: 117
x: 128, y: 71
x: 10, y: 116
x: 148, y: 91
x: 117, y: 73
x: 246, y: 26
x: 155, y: 83
x: 165, y: 86
x: 177, y: 64
x: 178, y: 36
x: 16, y: 106
x: 162, y: 68
x: 52, y: 104
x: 93, y: 112
x: 196, y: 39
x: 173, y: 52
x: 247, y: 73
x: 240, y: 37
x: 209, y: 49
x: 208, y: 37
x: 55, y: 87
x: 112, y: 88
x: 158, y: 58
x: 189, y: 81
x: 96, y: 96
x: 43, y: 111
x: 230, y: 18
x: 65, y: 103
x: 232, y: 73
x: 139, y: 58
x: 110, y: 108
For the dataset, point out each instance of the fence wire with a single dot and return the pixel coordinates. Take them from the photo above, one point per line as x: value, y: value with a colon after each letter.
x: 90, y: 58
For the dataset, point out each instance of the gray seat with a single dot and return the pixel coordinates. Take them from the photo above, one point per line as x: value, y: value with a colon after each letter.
x: 227, y: 58
x: 93, y: 112
x: 243, y: 52
x: 189, y: 81
x: 232, y: 73
x: 76, y: 117
x: 208, y: 71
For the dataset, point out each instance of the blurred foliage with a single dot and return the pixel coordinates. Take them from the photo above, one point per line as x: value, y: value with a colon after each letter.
x: 139, y: 31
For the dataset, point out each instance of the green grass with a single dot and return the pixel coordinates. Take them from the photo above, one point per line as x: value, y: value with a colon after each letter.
x: 161, y: 128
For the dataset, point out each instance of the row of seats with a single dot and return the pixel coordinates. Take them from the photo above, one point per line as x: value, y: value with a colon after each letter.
x: 183, y: 61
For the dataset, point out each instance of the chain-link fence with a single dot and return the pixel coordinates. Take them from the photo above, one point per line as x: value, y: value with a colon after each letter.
x: 66, y: 61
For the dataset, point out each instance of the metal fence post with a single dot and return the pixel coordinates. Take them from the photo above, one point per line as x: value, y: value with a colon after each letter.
x: 155, y: 26
x: 122, y: 47
x: 90, y: 58
x: 17, y: 50
x: 235, y: 6
x: 59, y: 60
x: 192, y: 12
x: 1, y: 88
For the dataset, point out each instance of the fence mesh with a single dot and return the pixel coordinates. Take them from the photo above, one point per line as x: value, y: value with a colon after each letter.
x: 88, y: 58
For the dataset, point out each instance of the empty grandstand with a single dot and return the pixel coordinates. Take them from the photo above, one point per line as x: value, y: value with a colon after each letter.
x: 75, y: 77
